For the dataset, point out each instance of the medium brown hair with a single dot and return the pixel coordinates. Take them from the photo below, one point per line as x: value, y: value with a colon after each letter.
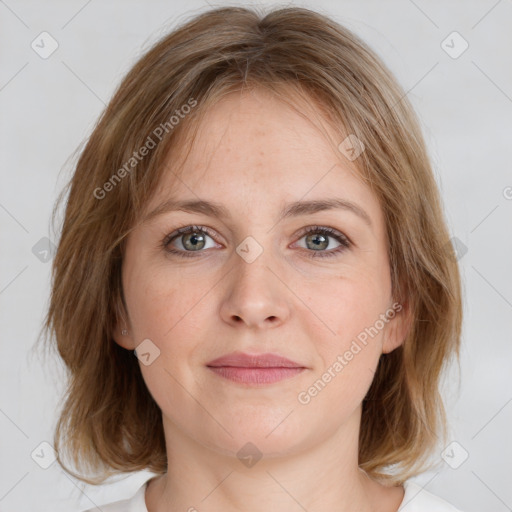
x: 109, y: 422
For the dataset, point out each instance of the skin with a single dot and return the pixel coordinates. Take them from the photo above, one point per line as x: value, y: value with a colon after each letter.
x: 286, y: 302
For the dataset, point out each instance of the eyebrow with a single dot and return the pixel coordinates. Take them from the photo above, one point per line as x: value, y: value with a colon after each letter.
x: 294, y: 209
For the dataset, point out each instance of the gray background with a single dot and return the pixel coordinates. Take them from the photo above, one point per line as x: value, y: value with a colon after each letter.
x: 49, y: 105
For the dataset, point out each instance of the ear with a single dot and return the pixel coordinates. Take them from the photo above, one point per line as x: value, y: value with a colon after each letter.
x: 397, y: 327
x: 121, y: 332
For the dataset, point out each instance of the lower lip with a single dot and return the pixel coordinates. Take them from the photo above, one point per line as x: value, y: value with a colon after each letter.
x: 255, y: 375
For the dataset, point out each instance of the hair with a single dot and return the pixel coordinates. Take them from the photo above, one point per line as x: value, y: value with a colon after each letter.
x: 109, y: 423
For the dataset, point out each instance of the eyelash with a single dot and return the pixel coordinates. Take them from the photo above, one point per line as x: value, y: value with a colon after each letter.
x: 323, y: 230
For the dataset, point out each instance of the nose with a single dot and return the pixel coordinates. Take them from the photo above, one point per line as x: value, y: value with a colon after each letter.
x: 255, y: 294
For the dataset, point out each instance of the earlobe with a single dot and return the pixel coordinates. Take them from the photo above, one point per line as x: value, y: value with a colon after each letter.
x: 122, y: 337
x: 120, y: 332
x: 397, y: 329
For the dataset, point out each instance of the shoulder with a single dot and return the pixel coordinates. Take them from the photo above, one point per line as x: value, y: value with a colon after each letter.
x: 417, y: 499
x: 136, y: 503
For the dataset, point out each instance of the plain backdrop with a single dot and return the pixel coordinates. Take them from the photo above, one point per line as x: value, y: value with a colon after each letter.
x: 463, y: 97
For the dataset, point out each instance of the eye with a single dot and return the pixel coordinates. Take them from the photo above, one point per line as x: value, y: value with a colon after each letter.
x: 317, y: 239
x: 191, y: 239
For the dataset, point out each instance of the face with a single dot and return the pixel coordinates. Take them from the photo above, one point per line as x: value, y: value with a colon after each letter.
x: 312, y: 286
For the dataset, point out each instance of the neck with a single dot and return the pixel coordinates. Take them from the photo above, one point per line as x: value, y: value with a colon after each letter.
x: 324, y: 476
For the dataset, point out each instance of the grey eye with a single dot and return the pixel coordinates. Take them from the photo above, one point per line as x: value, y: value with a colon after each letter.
x: 317, y: 241
x: 187, y: 240
x: 193, y: 241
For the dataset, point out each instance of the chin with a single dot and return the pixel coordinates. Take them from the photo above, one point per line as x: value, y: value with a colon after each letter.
x: 264, y: 436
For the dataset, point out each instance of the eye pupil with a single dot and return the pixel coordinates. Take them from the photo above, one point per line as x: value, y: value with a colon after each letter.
x: 322, y: 244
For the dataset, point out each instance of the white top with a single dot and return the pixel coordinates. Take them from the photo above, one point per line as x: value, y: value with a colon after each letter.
x: 416, y: 499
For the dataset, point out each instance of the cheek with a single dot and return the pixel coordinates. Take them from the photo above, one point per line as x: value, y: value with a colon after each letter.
x: 348, y: 352
x: 161, y: 302
x: 169, y: 313
x: 348, y: 340
x: 338, y: 309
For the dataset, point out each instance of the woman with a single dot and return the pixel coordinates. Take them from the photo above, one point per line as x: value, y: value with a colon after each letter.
x: 255, y: 218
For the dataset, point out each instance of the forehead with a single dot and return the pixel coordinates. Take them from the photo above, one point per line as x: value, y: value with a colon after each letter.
x: 253, y: 149
x: 256, y: 126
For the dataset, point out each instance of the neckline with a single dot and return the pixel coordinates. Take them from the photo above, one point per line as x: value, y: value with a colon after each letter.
x: 140, y: 496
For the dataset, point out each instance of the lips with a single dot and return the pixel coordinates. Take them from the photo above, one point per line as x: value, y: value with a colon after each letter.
x: 243, y: 360
x: 254, y: 369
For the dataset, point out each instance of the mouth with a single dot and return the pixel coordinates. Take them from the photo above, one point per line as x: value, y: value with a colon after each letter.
x: 255, y: 369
